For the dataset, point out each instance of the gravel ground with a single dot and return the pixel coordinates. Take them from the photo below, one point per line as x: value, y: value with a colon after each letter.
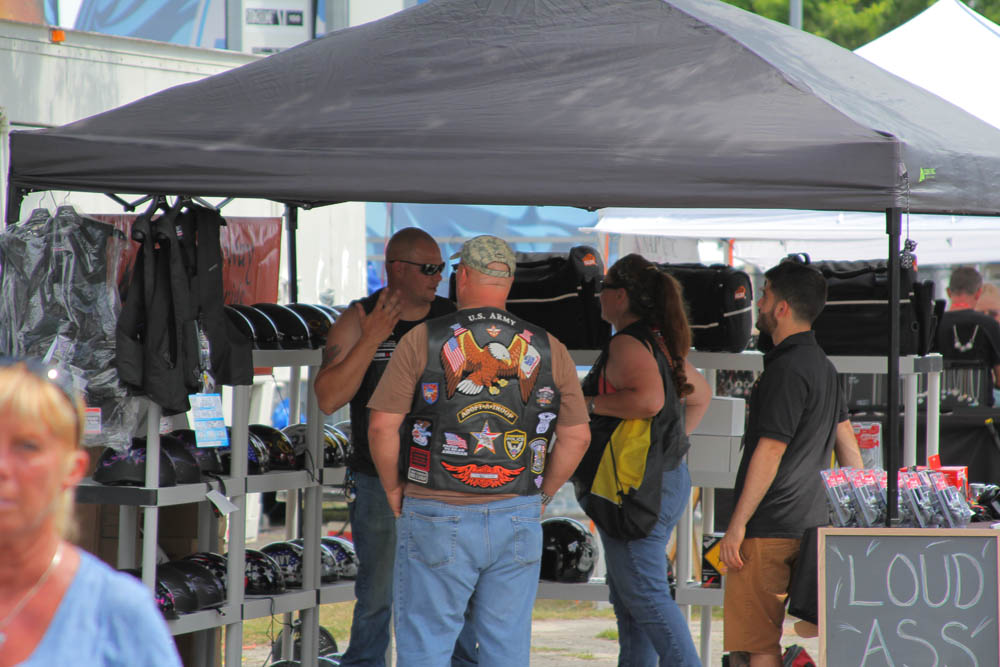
x: 556, y: 643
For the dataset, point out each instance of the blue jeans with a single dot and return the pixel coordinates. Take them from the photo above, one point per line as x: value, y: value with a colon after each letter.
x: 450, y: 558
x: 651, y: 628
x: 374, y: 532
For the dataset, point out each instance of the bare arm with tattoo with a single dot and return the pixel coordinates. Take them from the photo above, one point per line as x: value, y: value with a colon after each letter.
x: 350, y: 347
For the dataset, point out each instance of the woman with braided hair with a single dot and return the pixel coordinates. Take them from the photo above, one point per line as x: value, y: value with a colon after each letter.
x: 646, y: 308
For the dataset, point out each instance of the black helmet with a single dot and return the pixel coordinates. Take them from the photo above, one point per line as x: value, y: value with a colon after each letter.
x: 569, y: 551
x: 209, y: 591
x: 343, y: 551
x: 262, y: 576
x: 318, y: 320
x: 127, y: 467
x: 296, y: 434
x: 329, y: 572
x: 333, y: 312
x: 327, y: 644
x: 186, y: 470
x: 293, y: 329
x: 258, y: 458
x: 336, y: 456
x: 281, y: 452
x: 214, y: 562
x: 164, y: 598
x: 180, y: 587
x: 345, y: 428
x: 208, y: 458
x: 288, y: 556
x: 242, y: 324
x: 267, y: 336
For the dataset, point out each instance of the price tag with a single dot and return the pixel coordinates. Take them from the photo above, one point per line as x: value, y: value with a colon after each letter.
x: 223, y: 504
x: 92, y: 421
x: 209, y: 425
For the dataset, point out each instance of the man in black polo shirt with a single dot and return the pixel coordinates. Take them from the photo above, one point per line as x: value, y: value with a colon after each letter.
x: 969, y: 339
x: 795, y: 418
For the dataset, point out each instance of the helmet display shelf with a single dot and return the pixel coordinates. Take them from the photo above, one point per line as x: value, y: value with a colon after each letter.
x: 139, y: 506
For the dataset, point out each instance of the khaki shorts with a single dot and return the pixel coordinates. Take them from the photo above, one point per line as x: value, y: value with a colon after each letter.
x: 754, y: 607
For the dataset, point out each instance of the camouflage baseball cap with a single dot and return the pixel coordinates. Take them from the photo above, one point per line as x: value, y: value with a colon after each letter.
x: 479, y: 252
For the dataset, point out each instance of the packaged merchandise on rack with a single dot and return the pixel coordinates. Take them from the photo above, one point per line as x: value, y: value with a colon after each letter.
x: 952, y: 504
x: 59, y: 301
x: 869, y: 500
x: 839, y: 498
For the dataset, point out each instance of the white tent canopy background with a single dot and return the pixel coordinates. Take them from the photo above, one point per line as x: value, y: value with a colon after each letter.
x: 949, y: 50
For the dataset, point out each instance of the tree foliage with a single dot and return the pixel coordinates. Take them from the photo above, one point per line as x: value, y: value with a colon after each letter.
x: 852, y: 23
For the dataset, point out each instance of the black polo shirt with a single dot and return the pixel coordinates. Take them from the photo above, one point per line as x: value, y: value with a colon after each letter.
x: 796, y: 400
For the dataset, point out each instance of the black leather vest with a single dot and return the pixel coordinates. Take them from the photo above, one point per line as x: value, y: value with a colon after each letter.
x: 361, y: 458
x: 484, y: 409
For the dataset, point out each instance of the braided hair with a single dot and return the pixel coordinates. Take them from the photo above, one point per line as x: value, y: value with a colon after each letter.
x: 656, y: 298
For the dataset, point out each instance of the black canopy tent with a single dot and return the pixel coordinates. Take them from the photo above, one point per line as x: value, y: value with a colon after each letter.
x: 590, y: 103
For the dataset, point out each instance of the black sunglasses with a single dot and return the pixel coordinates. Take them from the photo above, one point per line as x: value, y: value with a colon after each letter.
x: 608, y: 284
x: 426, y: 269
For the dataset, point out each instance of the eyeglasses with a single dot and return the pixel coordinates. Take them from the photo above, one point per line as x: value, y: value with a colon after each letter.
x: 426, y: 269
x: 608, y: 284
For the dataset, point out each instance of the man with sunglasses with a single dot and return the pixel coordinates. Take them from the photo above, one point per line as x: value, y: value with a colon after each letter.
x: 358, y: 348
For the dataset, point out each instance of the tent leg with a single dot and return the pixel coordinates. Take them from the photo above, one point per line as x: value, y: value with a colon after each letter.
x: 292, y: 225
x: 893, y: 225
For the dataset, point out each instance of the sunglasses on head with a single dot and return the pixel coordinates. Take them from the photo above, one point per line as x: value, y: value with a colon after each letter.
x: 58, y: 377
x: 608, y: 283
x: 426, y: 269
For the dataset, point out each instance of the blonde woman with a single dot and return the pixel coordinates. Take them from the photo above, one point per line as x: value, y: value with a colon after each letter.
x: 59, y: 604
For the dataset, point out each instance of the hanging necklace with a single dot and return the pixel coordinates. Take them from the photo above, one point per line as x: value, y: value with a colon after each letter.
x: 26, y: 598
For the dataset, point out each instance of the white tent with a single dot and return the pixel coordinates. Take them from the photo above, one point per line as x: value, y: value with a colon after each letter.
x: 761, y: 237
x: 949, y: 50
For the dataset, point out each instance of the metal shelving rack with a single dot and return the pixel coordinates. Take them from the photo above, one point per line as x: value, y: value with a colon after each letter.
x: 150, y: 498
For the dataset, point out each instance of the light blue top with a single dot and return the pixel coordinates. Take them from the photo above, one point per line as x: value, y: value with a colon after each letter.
x: 106, y: 618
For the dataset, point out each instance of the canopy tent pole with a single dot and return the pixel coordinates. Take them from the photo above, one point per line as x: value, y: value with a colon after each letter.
x: 291, y: 225
x: 893, y: 225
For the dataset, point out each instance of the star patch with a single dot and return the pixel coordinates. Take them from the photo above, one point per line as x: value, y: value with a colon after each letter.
x: 485, y: 438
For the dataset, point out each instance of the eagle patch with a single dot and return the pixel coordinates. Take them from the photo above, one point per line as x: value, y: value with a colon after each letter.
x: 469, y: 368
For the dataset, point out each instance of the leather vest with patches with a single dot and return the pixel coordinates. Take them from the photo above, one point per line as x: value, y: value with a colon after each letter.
x: 484, y: 410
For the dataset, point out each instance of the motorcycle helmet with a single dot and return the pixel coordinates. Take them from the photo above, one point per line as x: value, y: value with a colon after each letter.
x: 164, y: 598
x: 127, y: 467
x: 318, y: 320
x: 329, y: 573
x: 569, y: 551
x: 258, y: 458
x: 345, y: 428
x: 293, y: 329
x: 327, y: 644
x: 180, y: 587
x: 281, y: 452
x: 262, y: 576
x: 343, y: 552
x: 186, y: 470
x: 330, y: 310
x: 288, y: 556
x: 208, y: 458
x: 209, y: 591
x: 336, y: 456
x: 218, y: 565
x: 242, y: 323
x: 267, y: 336
x: 332, y: 451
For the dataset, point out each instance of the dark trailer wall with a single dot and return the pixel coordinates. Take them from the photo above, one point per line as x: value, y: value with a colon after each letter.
x: 586, y: 103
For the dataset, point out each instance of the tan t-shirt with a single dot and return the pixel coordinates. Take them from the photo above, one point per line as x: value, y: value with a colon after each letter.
x: 395, y: 394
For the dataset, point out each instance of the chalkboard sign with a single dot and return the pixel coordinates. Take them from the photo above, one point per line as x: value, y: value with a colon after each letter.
x: 895, y: 597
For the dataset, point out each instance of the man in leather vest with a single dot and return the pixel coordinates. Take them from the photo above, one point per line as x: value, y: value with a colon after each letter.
x: 358, y: 348
x: 463, y: 425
